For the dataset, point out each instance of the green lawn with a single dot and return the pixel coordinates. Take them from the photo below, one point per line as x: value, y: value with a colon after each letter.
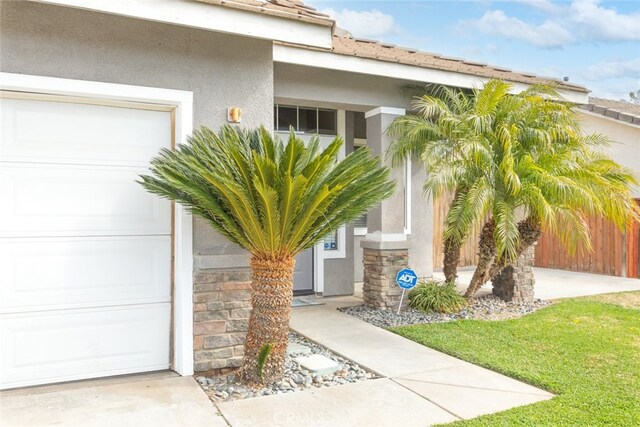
x: 585, y: 350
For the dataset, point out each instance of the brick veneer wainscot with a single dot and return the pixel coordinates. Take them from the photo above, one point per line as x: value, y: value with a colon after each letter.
x: 221, y: 308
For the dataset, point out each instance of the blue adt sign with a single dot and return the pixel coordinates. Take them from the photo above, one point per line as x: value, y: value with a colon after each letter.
x: 406, y: 278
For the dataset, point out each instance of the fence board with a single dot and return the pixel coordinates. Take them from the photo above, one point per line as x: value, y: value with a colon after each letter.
x: 633, y: 253
x: 609, y: 246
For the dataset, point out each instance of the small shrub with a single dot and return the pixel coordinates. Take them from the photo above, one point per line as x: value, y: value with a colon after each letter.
x: 436, y: 296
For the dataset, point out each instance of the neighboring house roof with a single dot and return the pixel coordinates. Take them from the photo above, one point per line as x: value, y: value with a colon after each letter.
x: 290, y: 9
x: 618, y: 110
x: 345, y: 44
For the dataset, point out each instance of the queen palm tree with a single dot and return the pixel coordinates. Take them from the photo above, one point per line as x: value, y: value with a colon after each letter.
x: 275, y: 200
x: 520, y: 161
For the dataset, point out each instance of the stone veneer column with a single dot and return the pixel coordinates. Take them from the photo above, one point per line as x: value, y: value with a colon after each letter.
x: 385, y: 247
x: 516, y: 282
x: 222, y: 304
x: 382, y: 262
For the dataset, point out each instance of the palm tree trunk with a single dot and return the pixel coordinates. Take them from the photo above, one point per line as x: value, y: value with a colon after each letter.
x: 271, y: 295
x: 451, y: 252
x: 451, y: 259
x: 530, y: 231
x: 487, y: 255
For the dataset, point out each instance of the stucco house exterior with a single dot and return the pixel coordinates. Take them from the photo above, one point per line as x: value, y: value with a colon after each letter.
x: 99, y: 277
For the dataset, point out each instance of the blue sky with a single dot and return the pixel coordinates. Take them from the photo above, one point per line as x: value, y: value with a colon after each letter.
x: 594, y: 43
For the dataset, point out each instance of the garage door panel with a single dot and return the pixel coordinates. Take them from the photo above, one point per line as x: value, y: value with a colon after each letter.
x: 78, y: 200
x: 85, y: 251
x: 46, y: 347
x: 56, y: 273
x: 67, y: 132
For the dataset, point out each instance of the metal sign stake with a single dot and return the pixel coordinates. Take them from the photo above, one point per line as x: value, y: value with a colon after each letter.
x: 401, y: 298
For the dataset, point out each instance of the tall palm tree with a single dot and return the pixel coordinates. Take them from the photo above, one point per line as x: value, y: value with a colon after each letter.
x: 275, y: 200
x: 554, y: 190
x: 520, y: 161
x: 437, y: 134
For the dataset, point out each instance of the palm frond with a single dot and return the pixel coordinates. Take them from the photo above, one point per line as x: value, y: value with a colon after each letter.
x: 503, y: 153
x: 274, y: 199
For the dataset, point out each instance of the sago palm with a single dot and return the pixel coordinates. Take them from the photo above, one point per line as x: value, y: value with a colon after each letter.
x: 275, y: 200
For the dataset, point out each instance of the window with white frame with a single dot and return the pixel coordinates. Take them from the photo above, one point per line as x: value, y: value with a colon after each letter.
x: 308, y: 120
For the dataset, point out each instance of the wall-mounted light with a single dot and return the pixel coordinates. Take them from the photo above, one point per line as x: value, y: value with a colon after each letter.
x: 234, y: 114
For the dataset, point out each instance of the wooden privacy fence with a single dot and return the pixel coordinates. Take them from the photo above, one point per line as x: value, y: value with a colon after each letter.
x: 614, y: 253
x: 633, y: 250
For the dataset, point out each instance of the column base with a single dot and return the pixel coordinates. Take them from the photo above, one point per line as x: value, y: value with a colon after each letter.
x: 516, y: 282
x: 382, y: 262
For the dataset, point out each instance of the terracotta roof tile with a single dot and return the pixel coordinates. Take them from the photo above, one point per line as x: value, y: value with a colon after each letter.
x: 619, y: 110
x: 290, y: 9
x: 343, y: 44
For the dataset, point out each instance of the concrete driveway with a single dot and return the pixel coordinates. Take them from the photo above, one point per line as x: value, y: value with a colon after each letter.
x: 160, y: 399
x: 552, y: 284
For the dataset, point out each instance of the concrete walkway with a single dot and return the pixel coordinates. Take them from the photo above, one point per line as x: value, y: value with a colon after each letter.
x: 420, y: 386
x: 162, y: 399
x: 553, y: 284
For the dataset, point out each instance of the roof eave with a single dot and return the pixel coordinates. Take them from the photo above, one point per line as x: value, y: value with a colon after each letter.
x: 383, y: 68
x: 302, y: 31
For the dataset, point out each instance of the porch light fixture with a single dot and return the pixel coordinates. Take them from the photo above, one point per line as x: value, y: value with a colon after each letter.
x: 234, y: 114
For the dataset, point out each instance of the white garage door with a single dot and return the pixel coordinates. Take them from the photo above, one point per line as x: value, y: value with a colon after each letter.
x: 85, y: 252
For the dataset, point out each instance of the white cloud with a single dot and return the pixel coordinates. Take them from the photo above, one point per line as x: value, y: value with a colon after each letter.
x: 547, y: 34
x: 616, y: 89
x: 580, y: 20
x: 597, y: 22
x: 543, y: 5
x: 613, y: 70
x: 366, y: 23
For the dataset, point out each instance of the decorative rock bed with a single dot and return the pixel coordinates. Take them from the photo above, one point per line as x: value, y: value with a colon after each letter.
x: 224, y: 388
x: 488, y: 307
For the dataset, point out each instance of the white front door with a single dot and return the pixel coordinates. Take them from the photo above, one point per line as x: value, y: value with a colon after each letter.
x: 85, y: 252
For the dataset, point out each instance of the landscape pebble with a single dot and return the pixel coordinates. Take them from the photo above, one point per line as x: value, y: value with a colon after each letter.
x: 488, y: 307
x: 224, y: 388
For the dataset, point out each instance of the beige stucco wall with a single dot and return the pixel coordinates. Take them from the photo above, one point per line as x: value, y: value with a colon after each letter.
x: 625, y: 140
x: 221, y: 71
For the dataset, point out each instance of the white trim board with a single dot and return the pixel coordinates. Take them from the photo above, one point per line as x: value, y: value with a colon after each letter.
x: 385, y: 110
x: 407, y: 196
x: 182, y: 104
x: 333, y: 61
x: 210, y: 17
